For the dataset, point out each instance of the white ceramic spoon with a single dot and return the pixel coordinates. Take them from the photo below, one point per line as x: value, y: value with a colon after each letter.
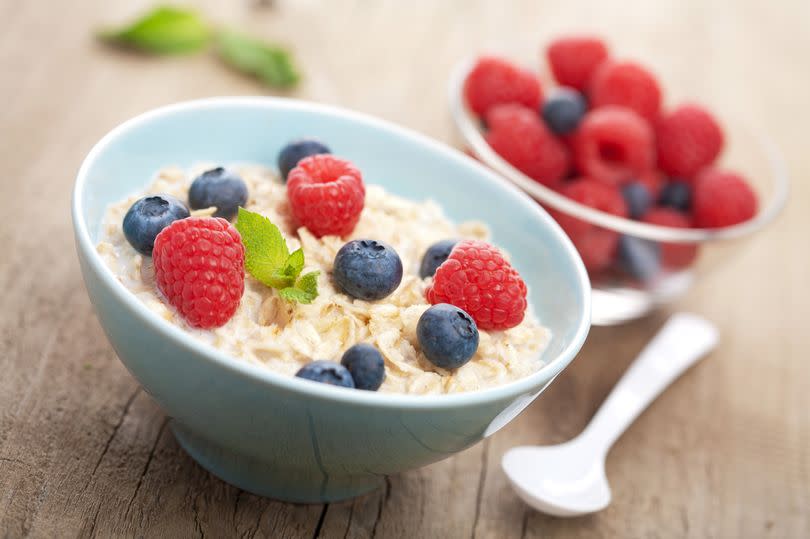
x: 569, y: 479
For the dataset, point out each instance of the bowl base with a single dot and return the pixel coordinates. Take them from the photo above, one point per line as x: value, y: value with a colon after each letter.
x: 263, y: 478
x: 616, y: 304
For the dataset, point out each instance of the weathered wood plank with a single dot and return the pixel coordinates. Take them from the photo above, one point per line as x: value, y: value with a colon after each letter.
x: 84, y: 452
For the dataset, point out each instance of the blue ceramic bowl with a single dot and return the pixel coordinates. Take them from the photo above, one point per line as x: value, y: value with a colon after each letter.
x: 284, y: 437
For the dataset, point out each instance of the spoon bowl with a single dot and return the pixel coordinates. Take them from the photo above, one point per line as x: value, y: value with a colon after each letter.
x: 562, y: 480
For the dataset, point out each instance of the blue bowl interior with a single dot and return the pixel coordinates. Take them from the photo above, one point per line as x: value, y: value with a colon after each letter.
x: 254, y: 130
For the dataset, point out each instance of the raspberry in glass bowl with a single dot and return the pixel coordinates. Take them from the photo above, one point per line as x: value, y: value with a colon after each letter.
x: 650, y: 193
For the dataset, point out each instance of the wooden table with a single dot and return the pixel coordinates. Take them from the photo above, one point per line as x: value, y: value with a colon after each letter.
x: 83, y: 451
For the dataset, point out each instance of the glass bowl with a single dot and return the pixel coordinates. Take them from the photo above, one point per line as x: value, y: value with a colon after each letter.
x: 617, y: 296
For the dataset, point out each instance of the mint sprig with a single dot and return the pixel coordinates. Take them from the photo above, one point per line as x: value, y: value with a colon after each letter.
x: 305, y: 289
x: 269, y: 63
x: 171, y: 30
x: 165, y: 30
x: 269, y: 261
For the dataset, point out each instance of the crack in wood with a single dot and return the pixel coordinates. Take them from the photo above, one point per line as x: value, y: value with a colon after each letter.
x: 317, y: 531
x: 117, y: 426
x: 349, y: 521
x: 195, y: 511
x: 481, y: 479
x: 15, y: 461
x: 525, y: 524
x: 383, y: 503
x: 258, y: 523
x: 146, y: 466
x: 95, y: 520
x: 236, y: 507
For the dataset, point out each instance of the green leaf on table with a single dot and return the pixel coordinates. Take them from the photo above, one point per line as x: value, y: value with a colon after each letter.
x: 271, y: 64
x: 165, y: 30
x: 269, y: 261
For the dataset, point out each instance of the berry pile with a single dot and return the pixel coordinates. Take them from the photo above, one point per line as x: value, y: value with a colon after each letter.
x: 604, y: 138
x: 200, y: 262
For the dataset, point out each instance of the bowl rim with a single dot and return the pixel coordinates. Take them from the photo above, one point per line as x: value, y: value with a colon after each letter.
x: 308, y: 388
x: 467, y: 125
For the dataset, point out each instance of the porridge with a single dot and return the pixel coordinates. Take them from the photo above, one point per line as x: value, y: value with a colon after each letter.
x: 284, y: 336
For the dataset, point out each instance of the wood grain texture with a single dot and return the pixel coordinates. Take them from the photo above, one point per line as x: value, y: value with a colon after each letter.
x: 83, y: 452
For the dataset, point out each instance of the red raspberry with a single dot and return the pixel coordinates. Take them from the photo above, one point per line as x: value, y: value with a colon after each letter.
x: 477, y: 279
x: 614, y: 145
x: 573, y: 59
x: 722, y: 198
x: 504, y: 115
x: 626, y: 84
x: 494, y: 81
x: 326, y: 195
x: 519, y: 136
x: 596, y: 245
x: 673, y: 255
x: 688, y: 139
x: 200, y: 269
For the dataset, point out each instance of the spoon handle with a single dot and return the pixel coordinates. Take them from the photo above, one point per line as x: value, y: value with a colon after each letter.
x: 683, y: 340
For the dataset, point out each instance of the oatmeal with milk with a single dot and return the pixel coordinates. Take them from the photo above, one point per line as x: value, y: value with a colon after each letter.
x: 318, y: 275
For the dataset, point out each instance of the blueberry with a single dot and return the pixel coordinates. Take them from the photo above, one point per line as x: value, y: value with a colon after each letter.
x: 366, y: 365
x: 639, y: 258
x: 447, y: 335
x: 563, y: 110
x: 218, y: 188
x: 676, y: 194
x: 148, y: 216
x: 367, y: 269
x: 435, y: 256
x: 296, y: 150
x: 326, y: 372
x: 638, y: 199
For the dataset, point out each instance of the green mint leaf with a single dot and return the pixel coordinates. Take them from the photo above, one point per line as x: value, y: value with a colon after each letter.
x: 165, y: 30
x: 266, y: 252
x: 295, y: 263
x: 268, y: 259
x: 286, y: 275
x: 277, y: 279
x: 294, y: 294
x: 305, y: 289
x: 308, y: 283
x: 271, y: 64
